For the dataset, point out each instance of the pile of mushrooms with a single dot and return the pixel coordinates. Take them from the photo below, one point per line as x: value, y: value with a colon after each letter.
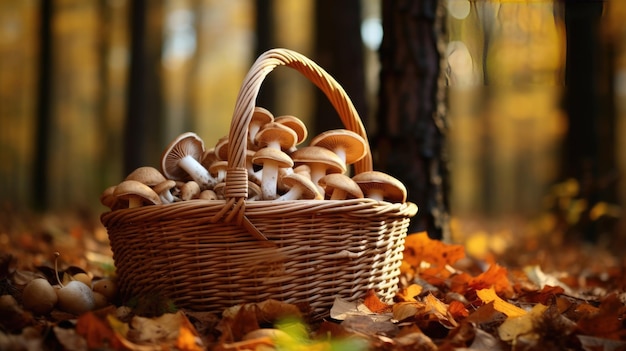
x: 278, y: 166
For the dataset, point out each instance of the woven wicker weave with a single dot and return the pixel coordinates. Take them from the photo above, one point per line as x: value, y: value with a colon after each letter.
x: 207, y: 255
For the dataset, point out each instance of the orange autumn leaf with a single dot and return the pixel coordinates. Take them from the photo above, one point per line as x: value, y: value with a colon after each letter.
x: 420, y: 248
x: 489, y: 295
x: 408, y: 294
x: 374, y: 303
x: 495, y: 276
x: 187, y: 340
x: 97, y: 332
x: 457, y: 309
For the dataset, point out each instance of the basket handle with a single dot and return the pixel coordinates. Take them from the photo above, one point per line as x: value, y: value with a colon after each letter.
x: 236, y: 187
x: 249, y: 91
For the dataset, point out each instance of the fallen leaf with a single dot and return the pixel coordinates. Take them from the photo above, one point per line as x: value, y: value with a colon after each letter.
x: 187, y: 340
x: 457, y: 309
x: 409, y: 293
x: 523, y: 324
x: 489, y: 295
x: 96, y: 332
x: 405, y: 310
x: 374, y: 304
x: 419, y: 247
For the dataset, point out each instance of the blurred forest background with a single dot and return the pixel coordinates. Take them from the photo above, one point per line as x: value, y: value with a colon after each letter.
x: 531, y: 105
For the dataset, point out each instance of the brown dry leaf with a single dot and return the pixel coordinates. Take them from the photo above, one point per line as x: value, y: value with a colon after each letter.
x: 608, y: 321
x: 374, y: 304
x: 164, y: 330
x: 489, y: 295
x: 271, y: 311
x: 405, y: 310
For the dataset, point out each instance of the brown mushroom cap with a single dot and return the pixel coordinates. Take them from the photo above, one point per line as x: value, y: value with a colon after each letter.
x: 340, y: 187
x: 260, y: 117
x: 218, y: 170
x: 381, y: 186
x: 295, y: 124
x: 107, y: 198
x: 163, y: 190
x: 221, y: 149
x: 181, y: 160
x: 348, y: 145
x: 190, y: 190
x: 300, y: 187
x: 277, y: 136
x: 312, y: 155
x: 136, y: 193
x: 150, y: 176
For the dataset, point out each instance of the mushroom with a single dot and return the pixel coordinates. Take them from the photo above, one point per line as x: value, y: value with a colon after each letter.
x: 208, y: 158
x: 221, y: 149
x: 189, y: 190
x: 276, y: 136
x: 260, y: 117
x: 164, y: 190
x: 253, y: 174
x: 348, y: 145
x: 340, y: 187
x: 320, y: 160
x: 107, y: 198
x: 381, y: 186
x: 136, y: 193
x: 296, y: 125
x: 181, y: 160
x: 218, y: 170
x: 150, y: 176
x: 300, y: 187
x: 303, y: 169
x: 219, y: 190
x: 271, y: 160
x: 254, y: 191
x: 208, y: 195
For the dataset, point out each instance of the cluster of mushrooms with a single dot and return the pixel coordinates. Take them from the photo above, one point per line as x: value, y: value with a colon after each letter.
x: 278, y: 167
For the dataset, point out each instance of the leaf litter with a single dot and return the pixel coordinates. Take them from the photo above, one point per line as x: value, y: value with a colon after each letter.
x: 447, y: 300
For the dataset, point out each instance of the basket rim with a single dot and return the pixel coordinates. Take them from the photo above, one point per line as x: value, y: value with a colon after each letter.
x: 258, y: 210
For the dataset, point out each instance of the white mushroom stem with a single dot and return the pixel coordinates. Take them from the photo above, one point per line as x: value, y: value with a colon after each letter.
x: 269, y: 180
x: 200, y: 174
x: 341, y: 152
x: 166, y: 197
x: 318, y: 170
x: 375, y: 194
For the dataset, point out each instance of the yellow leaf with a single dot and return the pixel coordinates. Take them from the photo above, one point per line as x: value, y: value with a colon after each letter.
x: 489, y: 295
x: 521, y: 325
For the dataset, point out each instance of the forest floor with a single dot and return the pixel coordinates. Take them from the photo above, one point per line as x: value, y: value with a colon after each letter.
x: 501, y: 290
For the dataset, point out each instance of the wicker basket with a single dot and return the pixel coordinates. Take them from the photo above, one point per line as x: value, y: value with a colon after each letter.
x: 207, y: 255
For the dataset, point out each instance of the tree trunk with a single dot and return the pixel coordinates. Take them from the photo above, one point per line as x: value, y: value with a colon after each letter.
x: 143, y: 116
x: 589, y: 146
x: 44, y: 107
x: 339, y: 50
x: 411, y: 116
